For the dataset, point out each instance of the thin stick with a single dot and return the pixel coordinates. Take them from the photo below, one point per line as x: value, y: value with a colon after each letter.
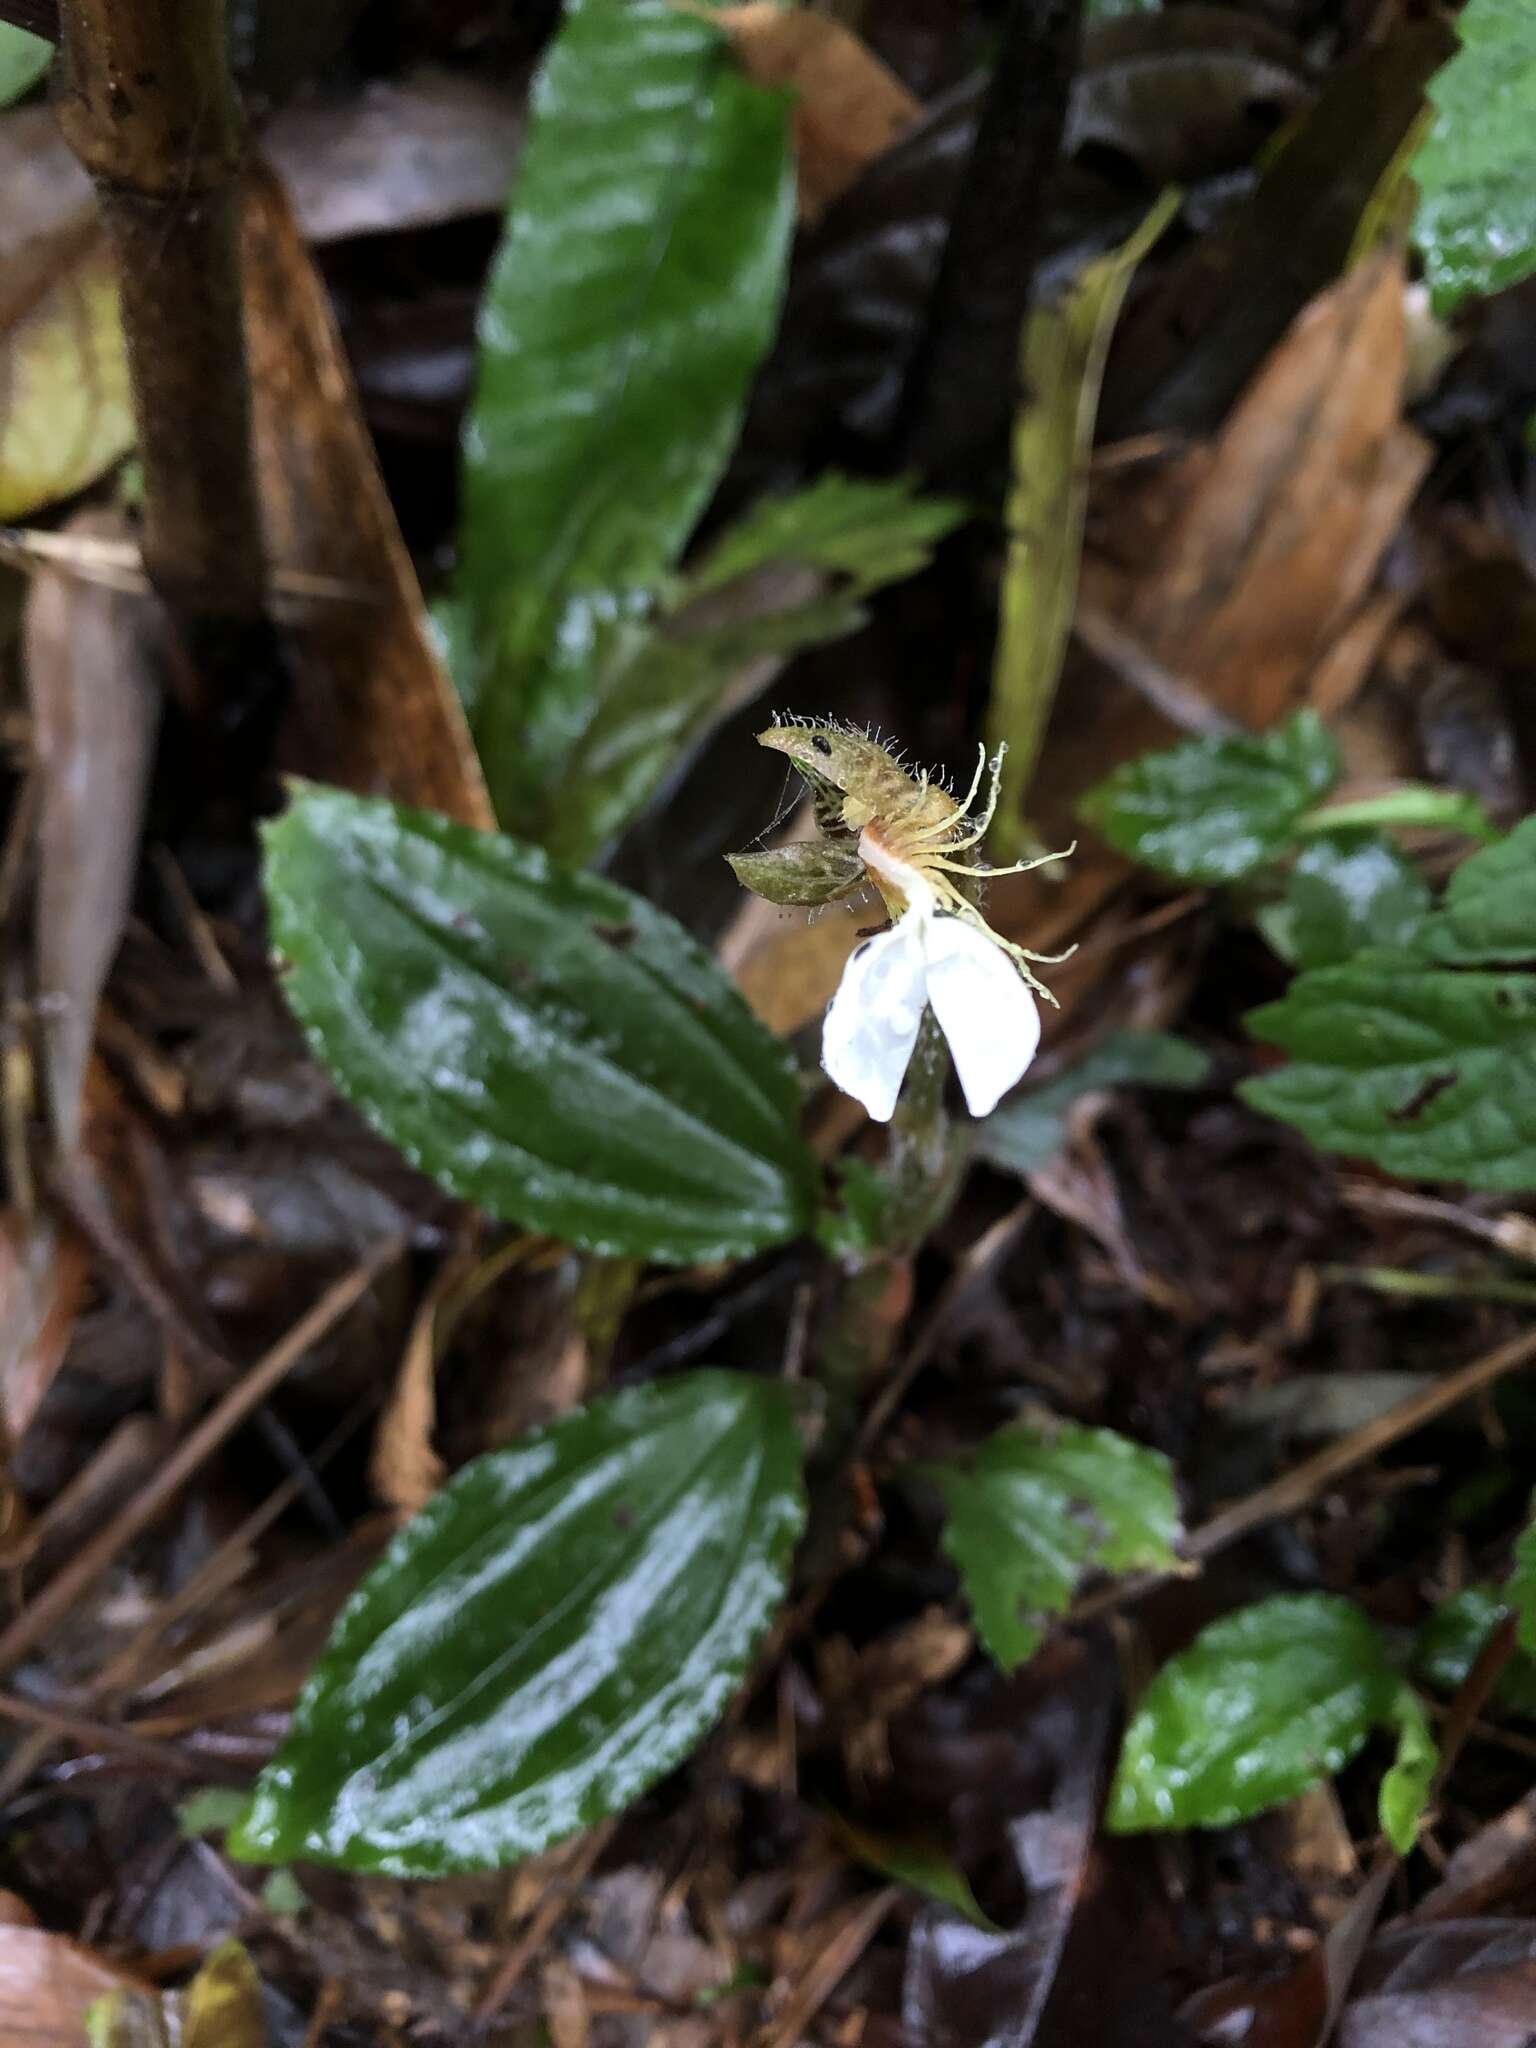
x: 87, y: 1566
x: 1294, y: 1489
x: 86, y: 1733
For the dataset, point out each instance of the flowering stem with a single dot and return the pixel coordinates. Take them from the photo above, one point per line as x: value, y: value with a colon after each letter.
x: 921, y: 1176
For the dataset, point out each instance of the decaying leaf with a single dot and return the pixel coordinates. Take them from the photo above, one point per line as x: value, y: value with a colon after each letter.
x: 65, y: 414
x: 849, y: 107
x: 373, y: 709
x: 47, y: 1986
x: 95, y: 716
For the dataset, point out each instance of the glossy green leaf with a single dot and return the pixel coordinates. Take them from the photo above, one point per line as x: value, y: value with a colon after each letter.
x: 1476, y: 173
x: 541, y: 1042
x: 1346, y: 891
x: 551, y: 1635
x: 1030, y: 1128
x: 1213, y: 810
x: 1405, y: 1788
x: 869, y: 533
x: 1261, y: 1705
x: 1449, y: 1641
x: 1488, y: 915
x: 1522, y: 1585
x: 1061, y: 367
x: 1035, y: 1509
x: 24, y: 59
x: 637, y: 287
x: 1428, y: 1071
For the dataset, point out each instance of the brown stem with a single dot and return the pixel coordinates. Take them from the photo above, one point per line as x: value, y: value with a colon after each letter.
x: 149, y: 108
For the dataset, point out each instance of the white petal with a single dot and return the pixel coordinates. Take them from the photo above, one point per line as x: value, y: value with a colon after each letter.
x: 872, y: 1021
x: 985, y: 1009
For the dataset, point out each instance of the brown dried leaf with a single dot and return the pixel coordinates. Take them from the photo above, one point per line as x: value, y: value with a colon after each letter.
x: 849, y: 107
x: 47, y: 1985
x: 43, y: 1270
x: 374, y: 709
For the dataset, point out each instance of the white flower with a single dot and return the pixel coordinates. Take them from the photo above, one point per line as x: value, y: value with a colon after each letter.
x: 983, y: 1003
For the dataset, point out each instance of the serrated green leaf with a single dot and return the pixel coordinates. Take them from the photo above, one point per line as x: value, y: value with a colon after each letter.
x: 1213, y: 810
x: 1405, y: 1787
x: 870, y: 533
x: 1062, y: 353
x: 23, y: 60
x: 655, y: 697
x: 637, y: 287
x: 1261, y: 1705
x: 1346, y: 891
x: 1428, y: 1071
x: 1488, y: 915
x: 1476, y: 173
x: 1522, y: 1586
x: 541, y: 1042
x: 1029, y: 1129
x: 1449, y: 1641
x: 1035, y: 1509
x: 551, y: 1635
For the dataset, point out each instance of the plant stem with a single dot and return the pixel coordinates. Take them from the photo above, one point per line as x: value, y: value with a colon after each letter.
x: 149, y: 108
x: 962, y: 388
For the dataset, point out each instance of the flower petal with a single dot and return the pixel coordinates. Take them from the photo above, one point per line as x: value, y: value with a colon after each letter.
x: 872, y: 1021
x: 985, y: 1009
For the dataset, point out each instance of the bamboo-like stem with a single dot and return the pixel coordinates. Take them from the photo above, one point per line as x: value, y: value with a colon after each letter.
x: 149, y: 108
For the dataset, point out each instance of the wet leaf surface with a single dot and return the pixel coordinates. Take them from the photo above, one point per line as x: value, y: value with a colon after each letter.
x: 557, y: 1629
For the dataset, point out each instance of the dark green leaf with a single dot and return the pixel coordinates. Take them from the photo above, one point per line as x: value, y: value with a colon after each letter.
x: 1261, y: 1705
x: 550, y: 1636
x: 1213, y: 810
x: 913, y: 1860
x: 1429, y: 1071
x: 656, y: 695
x: 1449, y: 1642
x: 23, y: 60
x: 636, y: 289
x: 1476, y: 173
x: 870, y: 533
x: 1035, y: 1509
x: 1030, y: 1128
x: 1346, y: 891
x: 1488, y: 916
x: 541, y: 1042
x: 1522, y: 1586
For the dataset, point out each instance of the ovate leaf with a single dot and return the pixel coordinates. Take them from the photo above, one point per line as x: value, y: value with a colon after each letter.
x: 1261, y: 1705
x: 1213, y: 810
x: 636, y: 289
x: 1063, y: 351
x: 1488, y: 916
x: 1346, y: 891
x: 1035, y: 1509
x: 23, y: 60
x: 1030, y: 1128
x: 549, y: 1637
x: 1476, y: 173
x: 1428, y: 1071
x: 540, y: 1042
x: 1449, y: 1642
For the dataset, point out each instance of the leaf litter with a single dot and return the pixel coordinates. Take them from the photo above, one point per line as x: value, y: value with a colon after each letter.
x: 244, y: 1339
